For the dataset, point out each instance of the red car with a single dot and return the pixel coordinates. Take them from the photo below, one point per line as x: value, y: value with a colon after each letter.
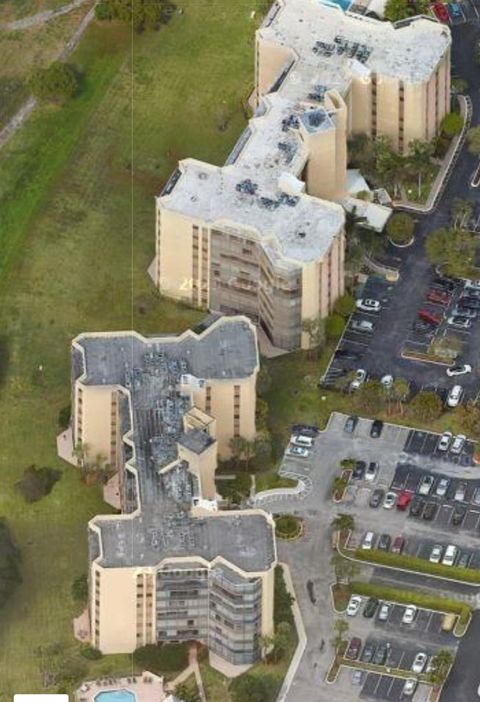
x: 441, y: 12
x: 404, y: 500
x: 440, y: 298
x: 430, y: 317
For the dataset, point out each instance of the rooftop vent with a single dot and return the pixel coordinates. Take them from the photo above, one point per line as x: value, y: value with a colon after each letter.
x: 302, y: 235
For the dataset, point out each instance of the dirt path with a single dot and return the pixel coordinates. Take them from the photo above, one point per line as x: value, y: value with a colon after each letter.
x: 42, y: 17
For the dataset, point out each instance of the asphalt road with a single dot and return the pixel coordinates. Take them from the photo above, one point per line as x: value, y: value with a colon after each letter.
x: 464, y: 679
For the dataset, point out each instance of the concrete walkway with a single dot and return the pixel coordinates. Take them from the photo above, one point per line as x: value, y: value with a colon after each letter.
x: 41, y: 17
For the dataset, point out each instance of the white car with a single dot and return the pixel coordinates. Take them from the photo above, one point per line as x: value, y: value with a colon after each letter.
x: 409, y: 687
x: 297, y: 451
x: 367, y: 543
x: 460, y: 492
x: 460, y: 322
x: 454, y: 396
x: 419, y: 662
x: 360, y: 377
x: 390, y: 500
x: 458, y: 443
x: 472, y: 285
x: 442, y: 487
x: 371, y: 471
x: 459, y: 370
x: 354, y: 605
x: 426, y: 485
x: 409, y: 614
x: 436, y: 554
x: 368, y: 305
x: 302, y: 441
x: 387, y: 381
x: 384, y: 611
x: 444, y: 441
x: 450, y: 555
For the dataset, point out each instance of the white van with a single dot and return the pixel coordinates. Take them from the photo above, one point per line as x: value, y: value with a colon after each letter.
x: 454, y: 396
x: 300, y: 440
x: 450, y: 555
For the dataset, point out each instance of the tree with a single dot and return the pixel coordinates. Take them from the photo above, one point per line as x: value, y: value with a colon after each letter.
x: 261, y: 413
x: 361, y: 152
x: 9, y: 564
x: 389, y: 165
x: 344, y: 305
x: 340, y: 628
x: 453, y: 249
x: 441, y: 664
x: 462, y: 211
x: 419, y: 159
x: 264, y: 379
x: 473, y: 139
x: 343, y: 522
x: 141, y: 14
x: 344, y: 569
x: 262, y: 446
x: 451, y: 124
x: 281, y: 640
x: 400, y: 228
x: 37, y: 482
x: 396, y: 10
x: 334, y: 326
x: 370, y: 396
x: 58, y: 82
x: 315, y: 330
x: 242, y: 449
x: 426, y: 406
x: 399, y: 392
x: 250, y: 688
x: 64, y: 417
x: 80, y: 588
x: 187, y: 694
x: 468, y: 417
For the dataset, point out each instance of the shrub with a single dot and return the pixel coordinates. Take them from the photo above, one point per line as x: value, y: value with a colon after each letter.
x: 91, y: 653
x: 283, y: 600
x: 80, y: 588
x: 166, y: 658
x: 426, y: 406
x: 64, y: 417
x: 344, y: 305
x: 334, y: 326
x: 235, y: 490
x: 288, y: 526
x: 9, y: 564
x: 57, y: 82
x: 400, y: 228
x: 251, y: 688
x: 142, y: 14
x: 452, y: 124
x: 37, y: 482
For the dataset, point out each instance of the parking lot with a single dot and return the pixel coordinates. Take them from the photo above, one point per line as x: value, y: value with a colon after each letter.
x: 390, y: 689
x: 424, y: 443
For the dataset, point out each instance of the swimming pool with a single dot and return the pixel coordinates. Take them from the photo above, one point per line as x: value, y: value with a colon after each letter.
x: 115, y: 696
x: 344, y: 4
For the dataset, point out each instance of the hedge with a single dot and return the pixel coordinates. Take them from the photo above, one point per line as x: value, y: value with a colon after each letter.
x: 392, y: 594
x: 419, y: 565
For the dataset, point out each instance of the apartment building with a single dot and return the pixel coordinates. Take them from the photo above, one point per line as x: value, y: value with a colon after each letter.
x: 263, y: 235
x: 172, y: 566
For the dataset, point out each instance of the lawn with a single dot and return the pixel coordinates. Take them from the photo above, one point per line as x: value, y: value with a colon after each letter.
x: 77, y: 234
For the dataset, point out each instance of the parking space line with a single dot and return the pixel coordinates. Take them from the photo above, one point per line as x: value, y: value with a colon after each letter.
x: 399, y: 664
x: 427, y: 624
x: 379, y: 679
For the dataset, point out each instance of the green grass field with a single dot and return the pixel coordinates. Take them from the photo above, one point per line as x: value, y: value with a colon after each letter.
x: 75, y: 247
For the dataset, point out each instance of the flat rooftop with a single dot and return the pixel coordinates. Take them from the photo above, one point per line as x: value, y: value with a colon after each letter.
x: 328, y: 45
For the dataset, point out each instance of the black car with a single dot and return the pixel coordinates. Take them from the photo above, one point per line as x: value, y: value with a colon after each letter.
x: 376, y: 498
x: 347, y: 354
x: 419, y: 326
x: 416, y: 506
x: 368, y: 653
x: 458, y: 515
x: 350, y: 424
x: 384, y: 542
x: 305, y: 430
x: 445, y: 283
x: 430, y: 510
x: 359, y: 470
x: 381, y: 654
x: 371, y: 607
x: 471, y: 303
x: 464, y: 560
x: 376, y: 428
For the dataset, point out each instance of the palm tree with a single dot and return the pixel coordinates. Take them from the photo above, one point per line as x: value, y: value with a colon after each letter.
x: 343, y: 522
x: 400, y: 390
x: 340, y: 628
x: 442, y: 662
x: 462, y: 211
x: 343, y: 568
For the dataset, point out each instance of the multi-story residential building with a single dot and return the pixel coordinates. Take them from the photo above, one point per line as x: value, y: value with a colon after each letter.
x: 172, y: 567
x: 264, y: 234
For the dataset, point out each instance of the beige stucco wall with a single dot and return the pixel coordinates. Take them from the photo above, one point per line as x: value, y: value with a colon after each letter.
x: 270, y: 60
x: 203, y: 466
x: 174, y: 257
x: 222, y: 408
x: 93, y: 419
x: 117, y: 610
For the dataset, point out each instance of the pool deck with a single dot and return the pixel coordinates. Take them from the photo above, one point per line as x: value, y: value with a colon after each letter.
x: 147, y: 687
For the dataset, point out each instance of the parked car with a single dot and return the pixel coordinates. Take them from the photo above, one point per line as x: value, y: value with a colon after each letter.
x: 354, y: 605
x: 376, y: 428
x: 360, y: 377
x: 459, y: 322
x: 381, y: 654
x: 476, y: 497
x: 297, y: 452
x: 470, y: 303
x: 384, y: 542
x: 306, y: 429
x: 444, y: 441
x: 368, y: 305
x: 350, y: 424
x: 458, y: 444
x: 458, y: 514
x: 409, y: 614
x: 455, y: 396
x: 464, y: 560
x: 430, y: 511
x: 347, y: 354
x: 384, y: 611
x: 442, y: 487
x: 450, y: 555
x: 353, y: 650
x: 370, y: 608
x: 472, y: 285
x: 371, y: 472
x: 398, y: 544
x: 376, y: 498
x: 436, y: 554
x: 357, y: 676
x: 455, y: 11
x: 410, y: 685
x: 416, y: 508
x: 362, y: 325
x: 442, y: 280
x: 426, y: 485
x: 459, y: 370
x: 429, y: 317
x: 404, y: 500
x: 359, y: 470
x: 460, y: 492
x: 419, y: 662
x: 441, y: 14
x: 390, y: 500
x: 368, y: 653
x: 303, y: 441
x: 387, y: 381
x: 424, y: 328
x: 368, y: 539
x: 464, y: 312
x: 439, y: 298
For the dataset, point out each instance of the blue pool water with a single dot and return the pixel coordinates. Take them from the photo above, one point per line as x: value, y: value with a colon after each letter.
x: 344, y: 4
x: 115, y: 696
